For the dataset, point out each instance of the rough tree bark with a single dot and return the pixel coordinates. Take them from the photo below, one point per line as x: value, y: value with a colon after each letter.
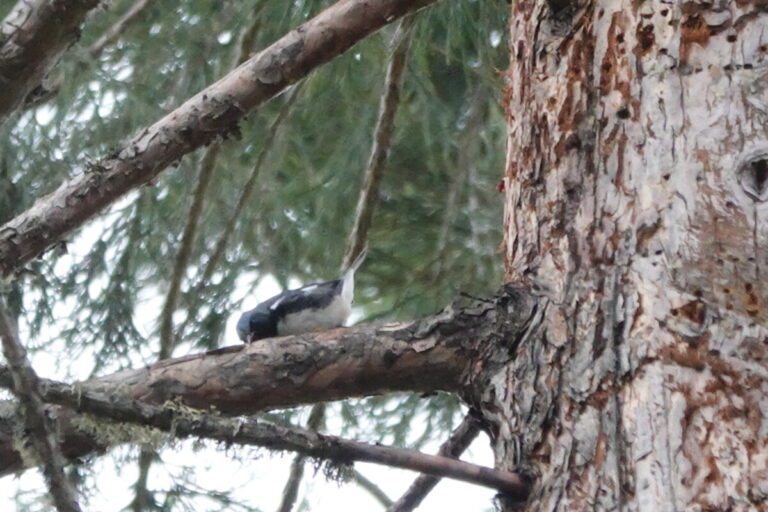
x: 449, y: 351
x: 635, y: 205
x: 33, y: 37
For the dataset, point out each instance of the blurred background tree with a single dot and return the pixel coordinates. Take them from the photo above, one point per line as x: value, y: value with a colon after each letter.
x: 94, y: 306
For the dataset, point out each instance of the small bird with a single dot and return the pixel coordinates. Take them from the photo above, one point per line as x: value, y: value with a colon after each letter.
x: 312, y: 307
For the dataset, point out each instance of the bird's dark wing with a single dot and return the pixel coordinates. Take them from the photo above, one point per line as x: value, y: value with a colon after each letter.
x: 311, y: 296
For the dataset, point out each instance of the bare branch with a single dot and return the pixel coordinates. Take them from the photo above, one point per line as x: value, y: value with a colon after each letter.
x: 116, y: 30
x: 382, y: 140
x: 32, y: 39
x: 372, y: 488
x: 167, y: 338
x: 184, y: 423
x: 211, y: 114
x: 26, y: 386
x: 207, y: 166
x: 291, y: 489
x: 143, y: 499
x: 244, y: 198
x: 448, y: 351
x: 359, y: 234
x: 459, y: 441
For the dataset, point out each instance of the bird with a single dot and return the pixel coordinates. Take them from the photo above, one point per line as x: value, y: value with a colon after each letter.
x: 312, y: 307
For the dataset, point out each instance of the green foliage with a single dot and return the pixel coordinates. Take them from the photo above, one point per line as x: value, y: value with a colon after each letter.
x: 97, y: 302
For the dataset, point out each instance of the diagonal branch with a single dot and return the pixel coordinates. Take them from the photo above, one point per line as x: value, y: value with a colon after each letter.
x: 167, y: 339
x: 459, y: 441
x: 207, y: 166
x: 116, y: 30
x: 185, y: 423
x: 32, y: 39
x: 382, y: 140
x: 242, y: 201
x: 448, y: 351
x: 358, y: 236
x: 26, y: 386
x: 210, y: 114
x: 291, y: 488
x: 372, y: 488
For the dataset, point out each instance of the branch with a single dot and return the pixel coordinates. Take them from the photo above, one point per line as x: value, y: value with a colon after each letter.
x: 242, y: 202
x: 459, y: 441
x: 184, y: 423
x: 32, y: 39
x: 207, y: 166
x: 167, y: 339
x: 26, y: 386
x: 448, y: 351
x: 212, y: 113
x: 116, y: 30
x: 291, y: 489
x: 372, y: 488
x: 359, y: 234
x: 382, y: 140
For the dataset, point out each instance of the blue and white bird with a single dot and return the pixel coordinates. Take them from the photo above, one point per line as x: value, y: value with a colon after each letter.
x: 312, y: 307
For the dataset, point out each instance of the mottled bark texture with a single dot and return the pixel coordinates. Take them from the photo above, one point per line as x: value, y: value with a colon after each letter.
x: 211, y: 114
x: 454, y: 350
x: 636, y: 206
x: 32, y: 38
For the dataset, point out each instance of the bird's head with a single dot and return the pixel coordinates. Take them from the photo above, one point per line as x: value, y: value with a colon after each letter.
x: 254, y: 325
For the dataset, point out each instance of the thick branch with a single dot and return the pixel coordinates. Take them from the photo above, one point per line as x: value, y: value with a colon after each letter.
x: 184, y: 423
x: 382, y: 140
x: 32, y: 38
x: 459, y: 441
x: 26, y: 386
x: 445, y: 352
x: 212, y: 113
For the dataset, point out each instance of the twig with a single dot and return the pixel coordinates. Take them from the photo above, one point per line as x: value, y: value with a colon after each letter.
x: 167, y: 339
x: 207, y: 166
x: 291, y: 489
x: 358, y: 236
x: 372, y: 488
x: 460, y: 439
x: 382, y: 140
x: 186, y: 422
x: 116, y: 30
x: 143, y: 499
x: 466, y: 146
x: 242, y: 201
x: 26, y: 386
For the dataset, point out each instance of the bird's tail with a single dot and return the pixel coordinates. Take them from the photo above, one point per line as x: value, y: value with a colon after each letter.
x: 348, y: 281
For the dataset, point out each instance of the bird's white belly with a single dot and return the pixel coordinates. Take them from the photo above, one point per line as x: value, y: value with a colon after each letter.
x: 334, y: 315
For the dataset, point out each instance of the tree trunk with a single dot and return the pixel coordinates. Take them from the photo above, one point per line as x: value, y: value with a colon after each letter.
x: 635, y: 204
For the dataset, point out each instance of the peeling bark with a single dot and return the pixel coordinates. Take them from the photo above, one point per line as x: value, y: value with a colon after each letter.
x: 212, y: 113
x: 448, y: 351
x: 33, y: 37
x: 635, y: 181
